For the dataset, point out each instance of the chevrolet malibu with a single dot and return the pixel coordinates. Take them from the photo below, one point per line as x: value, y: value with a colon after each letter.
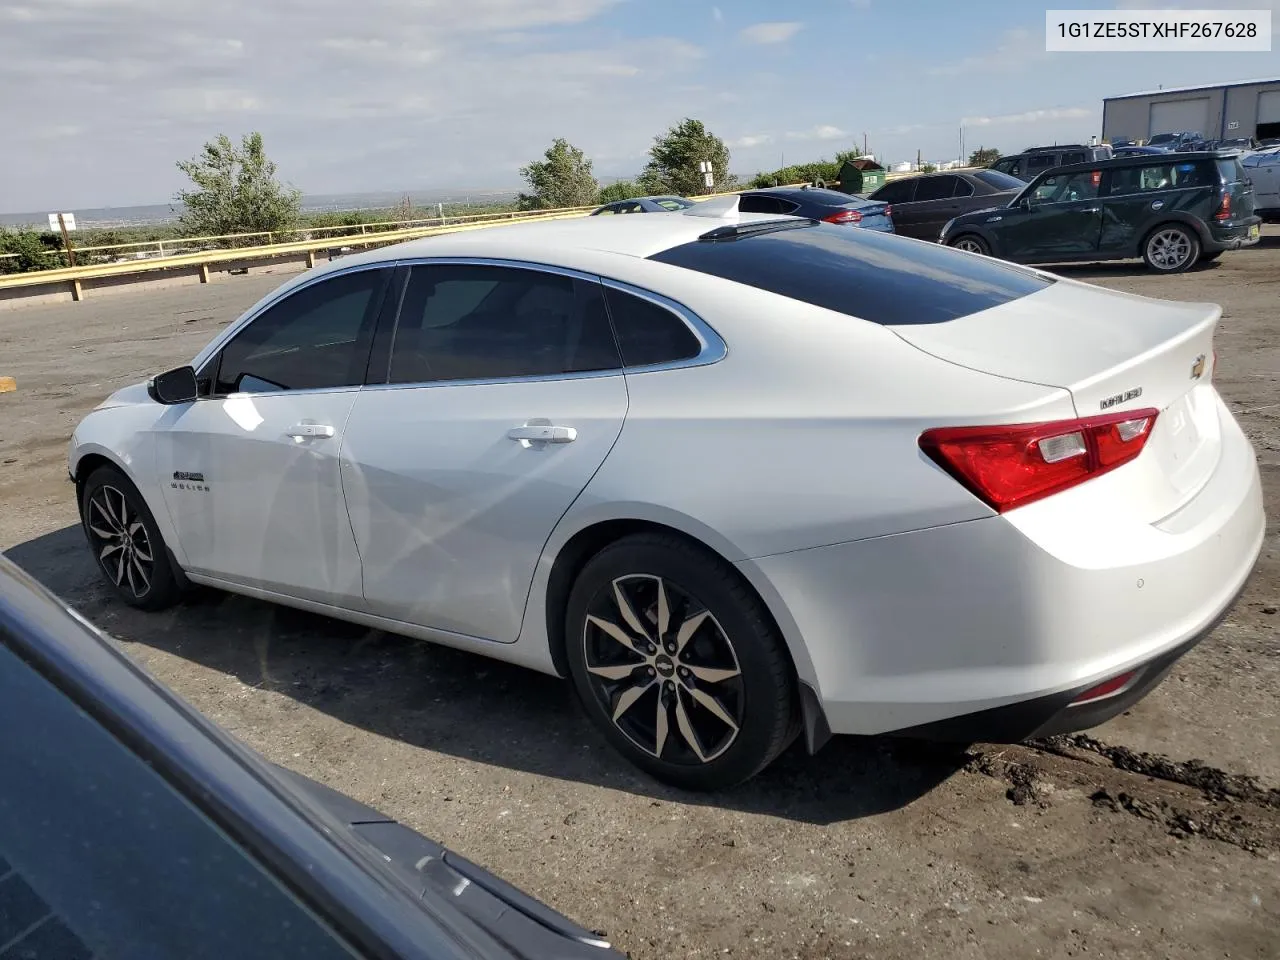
x: 740, y: 478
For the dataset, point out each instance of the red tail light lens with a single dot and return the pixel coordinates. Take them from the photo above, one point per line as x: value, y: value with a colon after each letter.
x: 1103, y: 690
x: 1224, y: 208
x: 1011, y: 465
x: 844, y: 216
x: 888, y: 209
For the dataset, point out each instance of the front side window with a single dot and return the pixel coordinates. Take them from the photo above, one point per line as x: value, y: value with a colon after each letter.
x: 316, y: 338
x: 936, y: 188
x: 1011, y: 167
x: 472, y: 322
x: 1067, y: 187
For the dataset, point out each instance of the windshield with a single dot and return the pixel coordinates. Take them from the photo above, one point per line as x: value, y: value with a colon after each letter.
x: 1162, y: 138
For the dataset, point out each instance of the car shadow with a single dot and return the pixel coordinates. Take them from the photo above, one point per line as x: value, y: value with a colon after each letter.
x: 465, y: 705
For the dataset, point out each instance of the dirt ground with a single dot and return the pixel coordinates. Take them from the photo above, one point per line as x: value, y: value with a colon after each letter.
x: 1157, y: 835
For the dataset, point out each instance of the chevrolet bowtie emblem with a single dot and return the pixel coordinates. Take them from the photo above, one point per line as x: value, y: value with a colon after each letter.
x: 1197, y: 368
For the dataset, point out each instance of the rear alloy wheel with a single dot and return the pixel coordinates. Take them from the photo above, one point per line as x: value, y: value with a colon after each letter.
x: 1171, y: 248
x: 970, y: 244
x: 678, y: 663
x: 126, y: 542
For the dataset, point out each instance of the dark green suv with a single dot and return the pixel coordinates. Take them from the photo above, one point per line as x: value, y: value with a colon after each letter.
x: 1171, y: 211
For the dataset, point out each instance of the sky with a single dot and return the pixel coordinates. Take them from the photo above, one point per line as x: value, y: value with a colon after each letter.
x: 100, y: 98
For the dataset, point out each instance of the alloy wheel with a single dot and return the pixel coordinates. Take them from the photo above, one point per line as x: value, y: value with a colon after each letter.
x: 664, y: 669
x: 1169, y: 249
x: 968, y: 245
x: 120, y: 540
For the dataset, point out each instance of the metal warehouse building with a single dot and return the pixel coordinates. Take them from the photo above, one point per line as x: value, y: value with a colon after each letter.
x: 1249, y: 108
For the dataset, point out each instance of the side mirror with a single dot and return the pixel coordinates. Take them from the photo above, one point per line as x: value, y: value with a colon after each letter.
x: 173, y: 386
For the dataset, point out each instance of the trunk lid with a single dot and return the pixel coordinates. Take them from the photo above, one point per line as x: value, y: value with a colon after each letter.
x: 1113, y: 352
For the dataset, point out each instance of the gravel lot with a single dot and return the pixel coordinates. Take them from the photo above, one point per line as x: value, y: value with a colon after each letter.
x: 1158, y: 835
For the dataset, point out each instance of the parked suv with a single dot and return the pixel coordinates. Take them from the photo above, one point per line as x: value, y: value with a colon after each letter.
x: 1028, y: 164
x: 1174, y: 141
x: 1171, y: 211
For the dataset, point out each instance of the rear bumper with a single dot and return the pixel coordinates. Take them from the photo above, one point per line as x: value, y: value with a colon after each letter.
x: 993, y: 627
x: 1243, y: 234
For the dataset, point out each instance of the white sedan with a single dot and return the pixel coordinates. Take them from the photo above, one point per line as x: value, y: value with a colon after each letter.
x: 741, y: 478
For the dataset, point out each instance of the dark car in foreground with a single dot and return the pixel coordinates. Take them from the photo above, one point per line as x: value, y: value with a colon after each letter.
x: 132, y: 827
x: 663, y: 204
x: 1172, y: 211
x: 921, y: 205
x: 816, y: 203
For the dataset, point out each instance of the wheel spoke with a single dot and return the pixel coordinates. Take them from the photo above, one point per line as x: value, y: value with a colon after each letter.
x: 120, y: 566
x: 615, y: 631
x: 660, y: 726
x: 620, y: 672
x: 628, y: 614
x: 142, y: 550
x: 713, y: 674
x: 686, y: 731
x: 664, y: 610
x: 105, y: 513
x: 108, y: 550
x: 689, y: 628
x: 712, y: 704
x: 142, y: 574
x: 627, y: 699
x: 103, y: 534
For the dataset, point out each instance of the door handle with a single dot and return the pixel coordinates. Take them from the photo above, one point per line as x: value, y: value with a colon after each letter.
x: 308, y: 431
x: 1090, y: 209
x: 542, y: 433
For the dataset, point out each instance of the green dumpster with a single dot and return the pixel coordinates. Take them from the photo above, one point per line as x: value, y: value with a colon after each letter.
x: 863, y: 175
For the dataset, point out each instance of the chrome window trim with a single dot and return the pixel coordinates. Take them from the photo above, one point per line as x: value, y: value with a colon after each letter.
x: 233, y: 330
x: 712, y: 348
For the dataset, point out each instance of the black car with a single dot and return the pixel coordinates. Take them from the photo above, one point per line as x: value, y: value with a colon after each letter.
x: 817, y: 203
x: 1172, y: 211
x: 1173, y: 141
x: 921, y: 205
x: 1028, y: 164
x: 131, y: 826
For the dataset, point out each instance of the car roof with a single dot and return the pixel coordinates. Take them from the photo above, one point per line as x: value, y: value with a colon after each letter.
x: 1142, y: 160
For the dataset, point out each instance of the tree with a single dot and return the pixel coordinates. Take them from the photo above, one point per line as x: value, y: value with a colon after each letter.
x: 562, y: 179
x: 928, y: 168
x: 674, y: 158
x: 622, y: 190
x: 29, y: 248
x: 236, y: 190
x: 984, y: 157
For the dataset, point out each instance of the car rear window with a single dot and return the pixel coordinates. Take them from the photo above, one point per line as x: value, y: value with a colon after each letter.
x: 1230, y: 169
x: 829, y: 198
x: 1001, y: 181
x: 861, y: 273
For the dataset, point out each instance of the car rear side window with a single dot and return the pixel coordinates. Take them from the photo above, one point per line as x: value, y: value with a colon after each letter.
x: 647, y: 332
x: 936, y: 188
x: 475, y: 322
x: 1230, y: 169
x: 899, y: 191
x: 762, y: 203
x: 861, y: 273
x: 1001, y: 181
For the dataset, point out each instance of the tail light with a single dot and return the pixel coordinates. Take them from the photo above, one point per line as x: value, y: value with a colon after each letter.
x: 1224, y: 208
x: 844, y: 216
x: 888, y: 209
x: 1108, y: 688
x: 1010, y: 465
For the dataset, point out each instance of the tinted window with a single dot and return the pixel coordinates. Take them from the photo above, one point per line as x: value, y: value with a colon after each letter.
x: 462, y: 322
x: 759, y: 203
x: 1076, y: 156
x: 861, y: 273
x: 936, y: 188
x: 1230, y: 170
x: 1008, y: 166
x: 1000, y: 181
x: 1160, y: 176
x: 100, y: 856
x: 674, y: 203
x: 899, y: 191
x: 1066, y: 187
x: 963, y: 188
x: 647, y: 332
x: 1041, y: 161
x: 316, y: 338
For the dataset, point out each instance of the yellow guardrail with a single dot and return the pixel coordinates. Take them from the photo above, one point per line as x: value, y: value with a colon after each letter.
x: 204, y: 259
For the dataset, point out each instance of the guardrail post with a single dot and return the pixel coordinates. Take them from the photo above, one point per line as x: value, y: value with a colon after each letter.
x: 311, y: 259
x: 77, y: 294
x: 204, y: 273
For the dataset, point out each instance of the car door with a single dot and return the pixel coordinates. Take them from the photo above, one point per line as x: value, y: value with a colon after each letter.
x: 1264, y: 170
x: 1063, y: 219
x: 899, y: 194
x: 932, y: 206
x: 1135, y: 198
x: 503, y: 395
x: 250, y: 470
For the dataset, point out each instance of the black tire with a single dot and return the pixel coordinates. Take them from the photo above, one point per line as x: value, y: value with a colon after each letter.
x: 1171, y: 248
x: 125, y: 541
x: 732, y: 655
x: 970, y: 242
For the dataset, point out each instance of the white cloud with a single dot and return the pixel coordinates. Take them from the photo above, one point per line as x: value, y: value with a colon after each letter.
x: 1017, y: 49
x: 1031, y: 116
x: 823, y: 131
x: 749, y: 141
x: 775, y: 32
